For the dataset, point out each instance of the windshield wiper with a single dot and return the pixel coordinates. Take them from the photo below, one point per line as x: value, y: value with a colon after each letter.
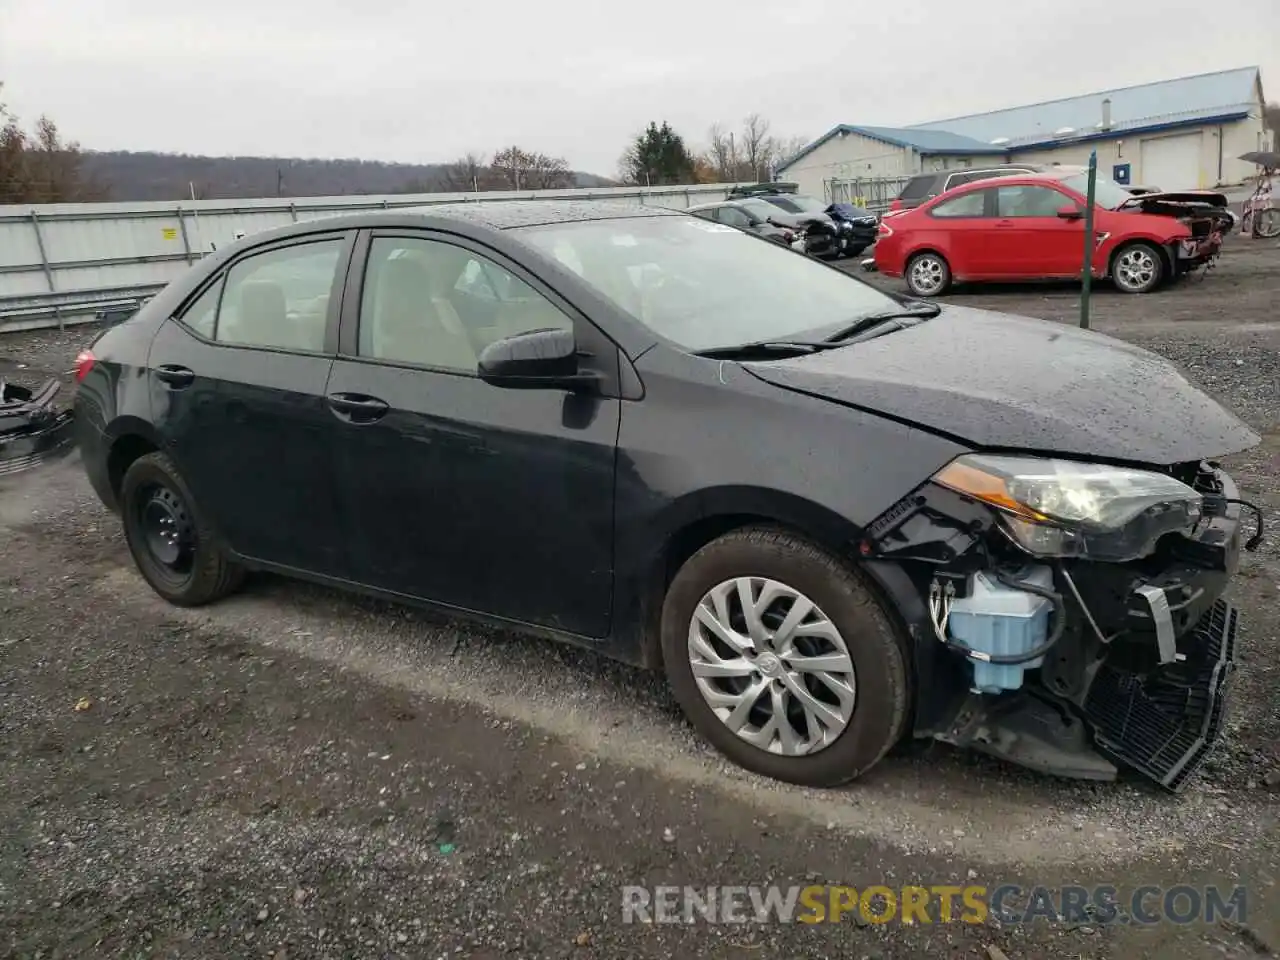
x: 924, y: 311
x: 767, y: 349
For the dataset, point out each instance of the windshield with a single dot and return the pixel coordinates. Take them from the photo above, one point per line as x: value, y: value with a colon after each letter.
x: 1107, y: 193
x: 703, y: 285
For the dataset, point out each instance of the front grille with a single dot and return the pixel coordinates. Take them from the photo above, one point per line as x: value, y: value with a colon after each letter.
x: 1164, y: 723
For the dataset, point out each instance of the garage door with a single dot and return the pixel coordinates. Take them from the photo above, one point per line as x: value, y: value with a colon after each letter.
x: 1171, y: 163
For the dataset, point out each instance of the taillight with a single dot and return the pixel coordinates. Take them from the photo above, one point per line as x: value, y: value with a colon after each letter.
x: 84, y: 363
x: 884, y: 230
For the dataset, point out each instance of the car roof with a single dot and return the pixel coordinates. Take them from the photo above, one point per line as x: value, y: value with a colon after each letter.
x: 477, y: 217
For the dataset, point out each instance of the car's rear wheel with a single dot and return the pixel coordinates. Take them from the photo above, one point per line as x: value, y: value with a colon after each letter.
x: 783, y: 659
x: 175, y: 549
x: 928, y: 274
x: 1137, y: 268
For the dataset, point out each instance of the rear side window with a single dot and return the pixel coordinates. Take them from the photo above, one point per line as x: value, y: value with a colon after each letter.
x: 203, y: 312
x: 917, y: 187
x: 968, y: 205
x: 280, y: 298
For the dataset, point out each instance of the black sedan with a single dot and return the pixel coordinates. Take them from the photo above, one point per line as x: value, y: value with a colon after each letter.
x: 748, y: 215
x: 833, y: 517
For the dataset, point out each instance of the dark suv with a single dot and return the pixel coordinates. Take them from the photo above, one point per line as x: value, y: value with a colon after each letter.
x: 926, y: 186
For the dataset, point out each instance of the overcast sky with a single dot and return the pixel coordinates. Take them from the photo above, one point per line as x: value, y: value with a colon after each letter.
x: 428, y: 80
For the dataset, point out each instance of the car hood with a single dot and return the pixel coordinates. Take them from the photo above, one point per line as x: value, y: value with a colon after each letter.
x: 1190, y: 198
x: 1001, y: 382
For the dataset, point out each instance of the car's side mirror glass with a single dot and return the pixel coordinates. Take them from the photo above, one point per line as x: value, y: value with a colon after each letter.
x: 1070, y: 213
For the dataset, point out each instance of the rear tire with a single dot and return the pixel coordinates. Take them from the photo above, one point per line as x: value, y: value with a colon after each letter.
x: 1137, y: 268
x: 172, y: 543
x: 795, y: 718
x: 928, y: 274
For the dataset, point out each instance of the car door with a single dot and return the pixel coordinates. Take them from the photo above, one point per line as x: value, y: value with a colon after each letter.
x: 237, y: 381
x: 958, y: 227
x: 1030, y: 237
x: 457, y: 491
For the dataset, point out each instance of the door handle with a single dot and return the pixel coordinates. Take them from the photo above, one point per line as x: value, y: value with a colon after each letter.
x: 1004, y: 223
x: 357, y: 408
x: 175, y: 376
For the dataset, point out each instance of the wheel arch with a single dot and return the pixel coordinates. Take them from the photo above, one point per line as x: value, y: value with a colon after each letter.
x: 700, y: 518
x: 128, y: 438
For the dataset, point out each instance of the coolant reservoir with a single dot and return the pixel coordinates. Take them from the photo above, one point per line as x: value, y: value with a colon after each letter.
x: 1000, y: 620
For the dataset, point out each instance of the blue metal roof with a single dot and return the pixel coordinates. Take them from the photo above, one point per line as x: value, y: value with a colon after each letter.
x: 1226, y: 94
x: 933, y: 142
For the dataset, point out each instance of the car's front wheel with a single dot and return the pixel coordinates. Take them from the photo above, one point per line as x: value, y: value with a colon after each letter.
x: 1137, y: 268
x: 783, y: 659
x: 172, y: 543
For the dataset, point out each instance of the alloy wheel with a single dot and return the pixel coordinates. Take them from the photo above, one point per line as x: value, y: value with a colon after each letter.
x: 772, y: 666
x: 1136, y: 269
x: 927, y: 275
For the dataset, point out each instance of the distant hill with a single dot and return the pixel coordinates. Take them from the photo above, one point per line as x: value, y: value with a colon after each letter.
x: 125, y: 175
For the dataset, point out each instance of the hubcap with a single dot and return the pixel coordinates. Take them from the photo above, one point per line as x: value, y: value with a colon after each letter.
x: 1135, y: 268
x: 167, y: 529
x: 772, y: 666
x: 926, y: 274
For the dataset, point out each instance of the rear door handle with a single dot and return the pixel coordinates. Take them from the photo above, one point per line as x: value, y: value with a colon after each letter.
x: 356, y: 407
x: 1004, y: 223
x: 175, y: 376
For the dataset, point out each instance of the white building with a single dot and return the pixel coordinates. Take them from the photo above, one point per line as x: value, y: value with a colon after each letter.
x: 1176, y: 135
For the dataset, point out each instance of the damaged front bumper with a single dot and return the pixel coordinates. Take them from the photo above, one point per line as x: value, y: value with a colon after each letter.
x: 1137, y: 668
x: 33, y: 431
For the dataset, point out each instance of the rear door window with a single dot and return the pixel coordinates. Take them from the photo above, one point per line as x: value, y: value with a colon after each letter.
x: 280, y: 298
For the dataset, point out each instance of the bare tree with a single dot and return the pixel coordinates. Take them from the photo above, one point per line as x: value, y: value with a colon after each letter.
x: 757, y: 146
x: 467, y: 173
x: 521, y: 169
x: 40, y: 167
x: 722, y: 154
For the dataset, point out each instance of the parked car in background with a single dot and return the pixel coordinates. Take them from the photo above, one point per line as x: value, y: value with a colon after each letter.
x: 817, y: 217
x: 748, y: 215
x: 925, y: 186
x: 832, y: 516
x: 1032, y: 227
x: 859, y: 226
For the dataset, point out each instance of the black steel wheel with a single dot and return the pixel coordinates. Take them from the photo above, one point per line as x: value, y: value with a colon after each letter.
x: 174, y: 548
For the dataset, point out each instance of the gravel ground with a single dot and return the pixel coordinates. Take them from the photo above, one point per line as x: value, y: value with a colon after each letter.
x: 295, y: 773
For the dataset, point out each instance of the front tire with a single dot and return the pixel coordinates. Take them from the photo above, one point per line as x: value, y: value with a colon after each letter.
x: 928, y: 274
x: 1137, y: 268
x: 173, y: 545
x: 783, y: 659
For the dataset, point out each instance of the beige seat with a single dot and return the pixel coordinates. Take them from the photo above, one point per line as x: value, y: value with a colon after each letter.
x: 411, y: 326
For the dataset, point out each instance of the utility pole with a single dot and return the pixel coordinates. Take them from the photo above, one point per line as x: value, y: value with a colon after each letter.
x: 1090, y: 244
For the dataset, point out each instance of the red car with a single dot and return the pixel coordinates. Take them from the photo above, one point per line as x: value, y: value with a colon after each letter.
x: 1032, y: 227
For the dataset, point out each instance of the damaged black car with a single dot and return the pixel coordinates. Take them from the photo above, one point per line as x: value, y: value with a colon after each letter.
x: 835, y: 518
x: 33, y: 430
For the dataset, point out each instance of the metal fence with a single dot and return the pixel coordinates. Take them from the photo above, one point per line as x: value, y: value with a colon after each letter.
x: 871, y: 193
x: 69, y: 263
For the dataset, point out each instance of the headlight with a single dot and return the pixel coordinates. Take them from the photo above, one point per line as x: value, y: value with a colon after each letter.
x: 1062, y: 508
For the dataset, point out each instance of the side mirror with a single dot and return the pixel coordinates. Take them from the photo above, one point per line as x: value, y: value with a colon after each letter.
x: 538, y: 359
x: 1070, y: 213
